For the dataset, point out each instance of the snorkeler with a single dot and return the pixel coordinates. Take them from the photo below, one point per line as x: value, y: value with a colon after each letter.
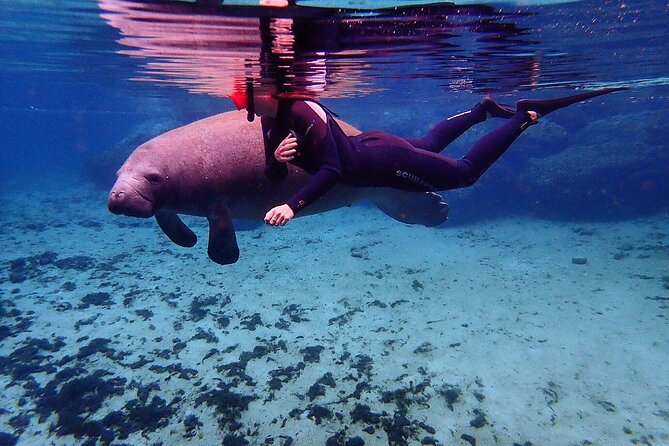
x: 304, y: 133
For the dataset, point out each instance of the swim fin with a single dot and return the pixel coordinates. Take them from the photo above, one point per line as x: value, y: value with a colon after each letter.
x: 546, y: 106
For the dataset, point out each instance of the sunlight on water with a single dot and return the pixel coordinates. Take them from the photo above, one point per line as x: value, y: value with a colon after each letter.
x: 480, y: 49
x: 337, y: 55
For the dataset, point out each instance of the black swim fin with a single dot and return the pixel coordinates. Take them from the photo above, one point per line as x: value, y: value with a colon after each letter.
x: 546, y: 106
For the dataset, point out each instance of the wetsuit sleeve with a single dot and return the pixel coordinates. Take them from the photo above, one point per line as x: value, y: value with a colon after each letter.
x: 274, y: 170
x: 314, y: 135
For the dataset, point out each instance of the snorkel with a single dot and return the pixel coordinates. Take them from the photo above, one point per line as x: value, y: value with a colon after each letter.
x: 250, y: 103
x: 244, y: 100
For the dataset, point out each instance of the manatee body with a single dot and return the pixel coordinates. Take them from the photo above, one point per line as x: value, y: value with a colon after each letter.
x: 214, y: 168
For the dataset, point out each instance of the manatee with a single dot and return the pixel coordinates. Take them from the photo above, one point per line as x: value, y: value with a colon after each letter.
x: 214, y: 168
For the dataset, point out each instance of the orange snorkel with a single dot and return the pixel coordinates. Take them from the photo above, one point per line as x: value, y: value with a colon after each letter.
x: 244, y: 100
x: 239, y: 99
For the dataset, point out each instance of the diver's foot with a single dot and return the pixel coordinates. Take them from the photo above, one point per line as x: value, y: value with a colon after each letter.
x: 530, y: 118
x: 546, y: 106
x: 495, y: 110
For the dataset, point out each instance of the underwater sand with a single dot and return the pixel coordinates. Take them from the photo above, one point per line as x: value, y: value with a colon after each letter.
x: 342, y: 325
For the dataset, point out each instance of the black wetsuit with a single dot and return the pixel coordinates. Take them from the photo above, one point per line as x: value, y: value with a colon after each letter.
x: 377, y: 158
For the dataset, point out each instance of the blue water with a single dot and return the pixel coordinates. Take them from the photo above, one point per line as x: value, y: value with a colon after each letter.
x: 66, y: 94
x: 489, y: 327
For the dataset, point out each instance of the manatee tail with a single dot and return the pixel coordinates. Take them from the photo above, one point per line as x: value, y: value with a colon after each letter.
x: 426, y: 209
x: 546, y: 106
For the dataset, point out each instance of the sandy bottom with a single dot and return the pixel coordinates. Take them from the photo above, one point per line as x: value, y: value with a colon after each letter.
x: 345, y: 328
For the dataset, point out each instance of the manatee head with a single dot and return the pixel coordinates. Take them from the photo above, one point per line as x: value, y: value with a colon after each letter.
x: 139, y: 190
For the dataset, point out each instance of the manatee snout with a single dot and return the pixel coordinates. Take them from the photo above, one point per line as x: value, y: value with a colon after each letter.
x: 126, y: 200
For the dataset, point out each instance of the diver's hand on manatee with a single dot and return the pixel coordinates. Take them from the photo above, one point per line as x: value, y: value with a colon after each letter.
x: 286, y: 150
x: 279, y: 215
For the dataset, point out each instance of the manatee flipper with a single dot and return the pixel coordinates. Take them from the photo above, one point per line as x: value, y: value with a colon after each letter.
x: 175, y: 229
x: 425, y: 208
x: 223, y: 247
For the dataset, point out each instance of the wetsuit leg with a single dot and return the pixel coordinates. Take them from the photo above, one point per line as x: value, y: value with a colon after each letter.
x: 410, y: 168
x: 449, y: 130
x: 487, y: 150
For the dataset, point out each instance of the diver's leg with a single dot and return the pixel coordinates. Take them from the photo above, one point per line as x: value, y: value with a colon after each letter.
x: 417, y: 169
x: 451, y: 128
x: 488, y: 149
x: 492, y: 146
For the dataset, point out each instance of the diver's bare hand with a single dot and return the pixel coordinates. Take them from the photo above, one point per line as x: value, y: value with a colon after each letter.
x: 279, y: 216
x: 286, y: 150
